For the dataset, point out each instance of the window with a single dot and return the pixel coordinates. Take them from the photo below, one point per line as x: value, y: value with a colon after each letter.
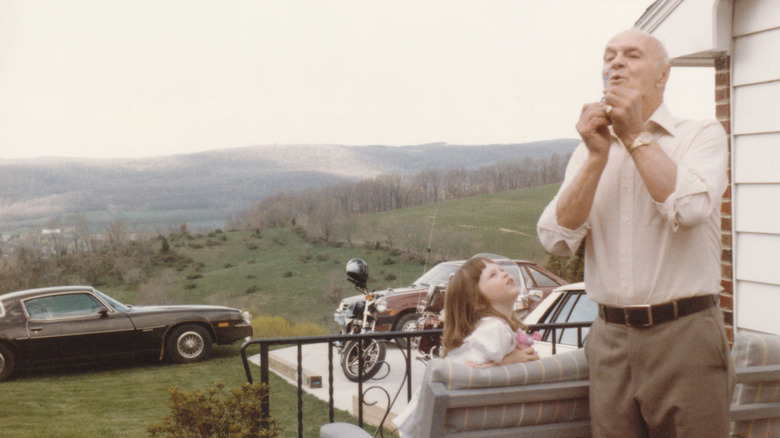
x: 527, y: 277
x: 439, y: 274
x: 62, y: 306
x: 576, y: 308
x: 542, y: 280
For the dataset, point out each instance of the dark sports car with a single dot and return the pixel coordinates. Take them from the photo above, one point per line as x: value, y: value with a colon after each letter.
x: 79, y: 323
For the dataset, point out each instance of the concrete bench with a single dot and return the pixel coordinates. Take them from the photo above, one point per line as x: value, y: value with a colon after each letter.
x: 549, y: 398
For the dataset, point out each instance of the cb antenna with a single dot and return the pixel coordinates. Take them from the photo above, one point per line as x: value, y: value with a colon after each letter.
x: 430, y: 238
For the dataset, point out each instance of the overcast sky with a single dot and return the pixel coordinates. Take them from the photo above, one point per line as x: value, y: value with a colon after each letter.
x: 138, y: 78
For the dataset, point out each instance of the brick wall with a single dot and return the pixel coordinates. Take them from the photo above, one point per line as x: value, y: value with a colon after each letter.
x: 723, y: 114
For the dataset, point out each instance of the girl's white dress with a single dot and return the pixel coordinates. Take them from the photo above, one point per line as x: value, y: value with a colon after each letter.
x: 490, y: 341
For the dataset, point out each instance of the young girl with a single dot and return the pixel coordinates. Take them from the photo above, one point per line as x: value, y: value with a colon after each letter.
x: 481, y: 327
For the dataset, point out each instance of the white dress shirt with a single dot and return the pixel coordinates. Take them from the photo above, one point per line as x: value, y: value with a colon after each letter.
x: 639, y: 251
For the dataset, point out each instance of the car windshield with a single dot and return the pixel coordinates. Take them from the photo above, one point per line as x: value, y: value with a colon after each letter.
x: 438, y: 275
x: 119, y: 307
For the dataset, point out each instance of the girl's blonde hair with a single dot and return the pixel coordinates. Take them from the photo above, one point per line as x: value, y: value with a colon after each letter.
x: 465, y: 305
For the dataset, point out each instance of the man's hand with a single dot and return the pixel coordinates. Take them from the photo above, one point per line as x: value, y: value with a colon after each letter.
x: 626, y: 113
x: 593, y: 127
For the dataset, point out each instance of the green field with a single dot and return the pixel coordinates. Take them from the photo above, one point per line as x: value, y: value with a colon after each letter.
x: 273, y: 273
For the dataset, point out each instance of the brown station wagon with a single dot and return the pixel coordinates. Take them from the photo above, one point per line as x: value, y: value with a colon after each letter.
x: 79, y: 323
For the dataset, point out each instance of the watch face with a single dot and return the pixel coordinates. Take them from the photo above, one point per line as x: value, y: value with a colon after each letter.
x: 645, y: 138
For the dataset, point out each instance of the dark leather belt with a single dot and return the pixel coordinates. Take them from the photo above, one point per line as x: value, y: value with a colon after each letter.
x: 648, y: 316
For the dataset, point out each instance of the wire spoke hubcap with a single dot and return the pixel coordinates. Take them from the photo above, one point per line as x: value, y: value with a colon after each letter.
x: 190, y: 344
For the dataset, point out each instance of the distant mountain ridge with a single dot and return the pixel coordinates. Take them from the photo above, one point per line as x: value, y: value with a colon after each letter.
x: 217, y: 183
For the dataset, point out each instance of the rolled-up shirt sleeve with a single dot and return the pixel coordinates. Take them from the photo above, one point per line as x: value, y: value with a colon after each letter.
x: 556, y: 239
x: 701, y: 179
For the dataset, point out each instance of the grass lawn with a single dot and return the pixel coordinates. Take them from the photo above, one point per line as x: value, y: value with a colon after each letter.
x: 121, y: 400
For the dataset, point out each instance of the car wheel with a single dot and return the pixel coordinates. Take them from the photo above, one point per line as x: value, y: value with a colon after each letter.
x: 407, y: 323
x: 7, y: 363
x: 188, y: 343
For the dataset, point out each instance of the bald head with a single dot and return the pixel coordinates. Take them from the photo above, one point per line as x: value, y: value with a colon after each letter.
x: 657, y: 48
x: 640, y: 61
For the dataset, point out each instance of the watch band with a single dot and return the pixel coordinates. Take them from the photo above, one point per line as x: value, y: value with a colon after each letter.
x: 643, y: 139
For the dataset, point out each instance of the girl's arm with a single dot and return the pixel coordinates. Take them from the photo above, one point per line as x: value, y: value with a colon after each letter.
x: 516, y: 356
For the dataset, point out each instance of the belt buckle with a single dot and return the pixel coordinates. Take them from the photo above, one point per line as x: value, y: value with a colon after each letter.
x: 628, y: 309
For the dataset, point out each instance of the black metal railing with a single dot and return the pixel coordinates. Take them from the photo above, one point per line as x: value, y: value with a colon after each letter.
x: 549, y: 331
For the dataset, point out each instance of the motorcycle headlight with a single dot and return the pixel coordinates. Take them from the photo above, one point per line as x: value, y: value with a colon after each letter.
x: 381, y: 305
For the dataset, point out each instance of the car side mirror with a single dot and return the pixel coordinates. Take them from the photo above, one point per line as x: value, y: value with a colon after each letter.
x: 535, y: 295
x: 103, y: 312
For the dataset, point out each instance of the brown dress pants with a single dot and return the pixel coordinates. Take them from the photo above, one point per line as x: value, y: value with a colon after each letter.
x: 670, y: 380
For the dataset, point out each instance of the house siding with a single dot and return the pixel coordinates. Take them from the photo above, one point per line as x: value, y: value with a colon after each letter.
x: 754, y: 109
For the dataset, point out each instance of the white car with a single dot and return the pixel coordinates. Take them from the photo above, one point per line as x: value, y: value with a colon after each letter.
x: 565, y: 304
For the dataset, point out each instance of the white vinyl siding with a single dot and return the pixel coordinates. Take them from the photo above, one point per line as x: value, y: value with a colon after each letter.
x: 755, y: 116
x: 752, y: 16
x: 754, y: 296
x: 753, y: 161
x: 750, y: 114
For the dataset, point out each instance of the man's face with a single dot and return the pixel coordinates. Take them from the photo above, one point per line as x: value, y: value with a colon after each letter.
x: 635, y: 62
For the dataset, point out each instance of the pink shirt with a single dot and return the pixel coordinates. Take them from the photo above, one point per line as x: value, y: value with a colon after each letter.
x: 639, y: 251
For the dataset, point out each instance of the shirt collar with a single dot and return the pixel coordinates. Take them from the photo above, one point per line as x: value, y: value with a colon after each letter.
x: 664, y: 119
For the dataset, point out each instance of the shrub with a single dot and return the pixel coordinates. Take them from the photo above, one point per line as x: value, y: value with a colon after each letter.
x: 278, y: 327
x: 160, y: 289
x: 287, y: 274
x: 235, y: 413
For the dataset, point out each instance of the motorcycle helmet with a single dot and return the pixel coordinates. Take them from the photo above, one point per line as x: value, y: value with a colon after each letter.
x: 357, y: 273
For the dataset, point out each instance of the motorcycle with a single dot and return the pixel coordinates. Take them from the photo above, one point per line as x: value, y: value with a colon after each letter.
x: 432, y: 310
x: 360, y: 317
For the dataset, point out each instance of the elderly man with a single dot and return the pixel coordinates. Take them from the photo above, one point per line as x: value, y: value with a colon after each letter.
x: 644, y: 191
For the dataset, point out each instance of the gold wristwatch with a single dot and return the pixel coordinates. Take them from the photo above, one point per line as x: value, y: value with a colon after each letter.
x: 643, y: 139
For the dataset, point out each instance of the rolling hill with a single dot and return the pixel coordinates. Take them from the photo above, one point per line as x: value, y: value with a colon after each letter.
x: 203, y: 188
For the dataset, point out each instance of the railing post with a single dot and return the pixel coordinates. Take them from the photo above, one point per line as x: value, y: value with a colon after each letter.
x: 360, y: 382
x: 330, y: 382
x: 408, y: 369
x: 300, y: 389
x: 266, y: 404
